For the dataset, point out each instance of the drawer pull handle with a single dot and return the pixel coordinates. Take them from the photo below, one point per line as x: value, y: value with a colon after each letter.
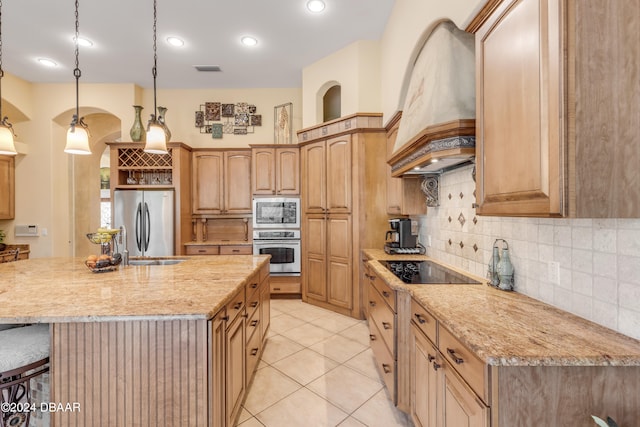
x: 225, y: 318
x: 253, y: 323
x: 202, y: 251
x: 372, y: 337
x: 436, y: 366
x: 237, y: 306
x: 420, y: 319
x: 386, y: 325
x: 254, y: 351
x: 372, y: 303
x: 276, y: 289
x: 431, y: 358
x: 235, y: 250
x: 386, y: 368
x: 455, y: 358
x: 254, y: 285
x: 254, y: 304
x: 386, y: 294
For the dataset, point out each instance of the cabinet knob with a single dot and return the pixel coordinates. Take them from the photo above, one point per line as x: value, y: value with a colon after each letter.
x: 386, y: 325
x: 372, y: 337
x: 372, y: 303
x: 436, y: 366
x: 254, y: 304
x: 237, y: 306
x: 420, y: 319
x: 253, y: 323
x: 386, y: 294
x: 254, y: 351
x: 431, y: 358
x: 386, y: 368
x: 455, y: 357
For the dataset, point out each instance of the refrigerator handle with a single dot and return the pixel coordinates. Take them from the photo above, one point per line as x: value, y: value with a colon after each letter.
x: 138, y: 227
x: 147, y: 233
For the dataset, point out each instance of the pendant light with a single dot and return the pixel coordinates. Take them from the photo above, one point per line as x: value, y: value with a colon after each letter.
x: 7, y: 146
x: 156, y: 141
x: 78, y: 133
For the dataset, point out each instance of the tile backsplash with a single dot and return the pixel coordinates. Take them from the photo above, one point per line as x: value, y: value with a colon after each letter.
x: 598, y: 259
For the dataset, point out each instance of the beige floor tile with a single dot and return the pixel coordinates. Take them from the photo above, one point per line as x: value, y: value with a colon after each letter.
x: 286, y: 305
x: 284, y: 322
x: 358, y: 332
x: 307, y: 334
x: 244, y: 416
x: 351, y: 422
x: 308, y: 312
x: 302, y: 409
x: 278, y: 347
x: 345, y: 388
x: 338, y: 348
x: 251, y: 422
x: 305, y: 366
x: 335, y: 322
x: 379, y: 411
x: 268, y: 387
x: 365, y: 363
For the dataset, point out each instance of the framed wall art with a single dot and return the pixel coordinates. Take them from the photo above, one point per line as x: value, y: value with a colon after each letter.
x: 218, y: 118
x: 282, y: 129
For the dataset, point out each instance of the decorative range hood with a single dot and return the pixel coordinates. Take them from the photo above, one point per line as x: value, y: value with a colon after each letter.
x: 436, y: 149
x: 437, y: 129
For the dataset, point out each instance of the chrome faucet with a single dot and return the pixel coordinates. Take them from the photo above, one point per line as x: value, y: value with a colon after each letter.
x: 123, y: 241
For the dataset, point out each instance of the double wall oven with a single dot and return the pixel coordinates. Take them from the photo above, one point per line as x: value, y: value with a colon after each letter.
x: 276, y: 232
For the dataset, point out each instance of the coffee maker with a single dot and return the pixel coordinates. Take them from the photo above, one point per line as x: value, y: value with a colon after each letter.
x: 402, y: 238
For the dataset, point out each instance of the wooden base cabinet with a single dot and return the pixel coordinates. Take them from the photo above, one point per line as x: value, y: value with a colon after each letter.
x: 557, y: 108
x: 342, y: 199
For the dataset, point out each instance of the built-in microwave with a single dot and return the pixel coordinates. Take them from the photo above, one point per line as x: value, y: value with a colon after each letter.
x: 276, y: 212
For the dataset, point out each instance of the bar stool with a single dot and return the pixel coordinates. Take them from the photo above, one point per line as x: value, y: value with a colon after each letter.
x: 24, y: 352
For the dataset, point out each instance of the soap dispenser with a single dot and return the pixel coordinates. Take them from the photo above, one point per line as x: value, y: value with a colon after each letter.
x: 505, y: 270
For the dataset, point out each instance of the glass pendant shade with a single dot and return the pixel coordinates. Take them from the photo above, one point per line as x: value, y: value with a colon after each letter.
x: 77, y: 141
x: 156, y: 139
x: 7, y: 147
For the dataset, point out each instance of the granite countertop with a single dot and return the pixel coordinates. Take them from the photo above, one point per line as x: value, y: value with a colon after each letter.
x: 221, y: 243
x: 64, y: 290
x: 512, y: 329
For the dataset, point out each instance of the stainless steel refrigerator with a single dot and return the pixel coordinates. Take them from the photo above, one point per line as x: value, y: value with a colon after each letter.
x: 148, y: 216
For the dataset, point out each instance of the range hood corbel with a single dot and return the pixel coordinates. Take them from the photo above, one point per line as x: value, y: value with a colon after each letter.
x: 436, y: 149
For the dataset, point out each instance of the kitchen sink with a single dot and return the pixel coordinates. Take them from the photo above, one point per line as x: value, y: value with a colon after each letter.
x: 156, y: 261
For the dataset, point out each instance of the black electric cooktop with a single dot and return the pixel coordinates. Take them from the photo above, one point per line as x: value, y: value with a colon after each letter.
x: 426, y: 272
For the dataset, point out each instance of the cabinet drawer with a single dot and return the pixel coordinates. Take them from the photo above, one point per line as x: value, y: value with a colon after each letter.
x: 252, y: 286
x: 383, y: 317
x: 473, y: 370
x: 235, y: 306
x: 388, y: 294
x: 423, y: 320
x: 253, y: 323
x: 202, y: 249
x: 236, y: 250
x: 254, y: 348
x: 385, y: 362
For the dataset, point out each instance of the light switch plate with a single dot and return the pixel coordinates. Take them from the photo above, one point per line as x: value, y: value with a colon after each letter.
x: 554, y: 272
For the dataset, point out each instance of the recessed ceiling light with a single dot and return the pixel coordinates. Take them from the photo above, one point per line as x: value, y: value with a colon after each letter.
x: 47, y: 62
x: 315, y: 6
x: 175, y: 41
x: 249, y: 41
x: 84, y: 42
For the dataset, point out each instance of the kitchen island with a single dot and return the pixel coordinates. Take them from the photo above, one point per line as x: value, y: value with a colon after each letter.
x: 142, y: 345
x: 506, y: 359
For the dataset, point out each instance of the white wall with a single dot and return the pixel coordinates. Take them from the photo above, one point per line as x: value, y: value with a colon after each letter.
x: 599, y: 258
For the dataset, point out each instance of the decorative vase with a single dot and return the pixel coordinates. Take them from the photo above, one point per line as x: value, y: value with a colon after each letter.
x: 162, y: 111
x: 137, y: 132
x: 505, y: 271
x: 492, y: 273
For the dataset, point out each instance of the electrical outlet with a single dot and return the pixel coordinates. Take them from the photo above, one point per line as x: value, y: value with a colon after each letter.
x: 554, y: 272
x: 429, y: 241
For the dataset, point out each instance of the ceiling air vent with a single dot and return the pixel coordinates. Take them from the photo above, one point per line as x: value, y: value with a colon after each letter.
x: 210, y: 68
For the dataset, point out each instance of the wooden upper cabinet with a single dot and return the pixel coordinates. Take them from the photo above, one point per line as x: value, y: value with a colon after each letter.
x: 338, y: 166
x: 557, y: 109
x: 208, y: 182
x: 276, y: 171
x: 519, y: 140
x: 314, y: 180
x: 263, y: 162
x: 221, y: 182
x: 7, y: 187
x: 237, y: 182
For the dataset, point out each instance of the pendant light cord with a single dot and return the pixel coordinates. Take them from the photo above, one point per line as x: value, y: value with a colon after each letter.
x: 76, y: 72
x: 154, y: 70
